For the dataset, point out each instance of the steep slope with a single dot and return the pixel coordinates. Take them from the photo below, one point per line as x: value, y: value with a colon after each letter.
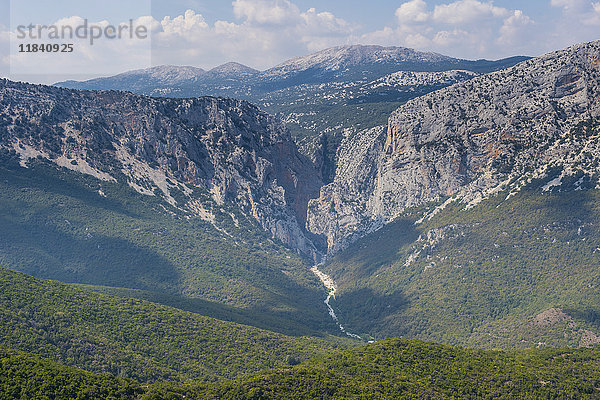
x: 65, y: 225
x: 323, y: 96
x: 492, y: 186
x: 508, y: 273
x: 136, y: 339
x: 465, y: 141
x: 228, y: 147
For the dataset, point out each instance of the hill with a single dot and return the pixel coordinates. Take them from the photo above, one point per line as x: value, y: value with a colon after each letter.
x: 64, y: 225
x: 24, y: 376
x: 389, y: 369
x: 414, y: 370
x: 134, y: 338
x: 509, y: 273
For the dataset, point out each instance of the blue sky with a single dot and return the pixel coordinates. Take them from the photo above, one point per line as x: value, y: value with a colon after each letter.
x: 263, y: 33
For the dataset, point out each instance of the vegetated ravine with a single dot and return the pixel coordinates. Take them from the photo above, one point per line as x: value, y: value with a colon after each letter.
x: 329, y: 283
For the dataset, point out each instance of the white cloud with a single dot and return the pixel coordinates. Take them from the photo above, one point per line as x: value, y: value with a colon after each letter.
x: 267, y: 32
x: 467, y: 11
x: 412, y: 11
x: 450, y: 38
x: 463, y: 28
x: 266, y: 12
x: 569, y: 4
x: 513, y: 27
x: 188, y: 24
x: 583, y: 14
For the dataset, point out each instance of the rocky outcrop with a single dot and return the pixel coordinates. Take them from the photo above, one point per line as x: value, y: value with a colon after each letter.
x: 167, y: 146
x: 493, y: 132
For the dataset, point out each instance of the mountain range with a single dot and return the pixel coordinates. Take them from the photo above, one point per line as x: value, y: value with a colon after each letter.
x: 466, y: 215
x: 322, y: 97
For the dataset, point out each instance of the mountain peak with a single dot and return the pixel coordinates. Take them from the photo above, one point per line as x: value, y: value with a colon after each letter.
x: 168, y: 73
x: 233, y: 68
x: 341, y: 57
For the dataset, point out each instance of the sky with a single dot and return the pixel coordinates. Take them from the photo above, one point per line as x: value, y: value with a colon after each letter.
x: 264, y: 33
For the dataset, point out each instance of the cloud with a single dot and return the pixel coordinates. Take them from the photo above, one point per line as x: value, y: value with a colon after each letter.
x: 584, y: 15
x: 266, y: 12
x: 467, y: 11
x: 265, y: 33
x: 513, y: 27
x: 262, y: 33
x: 585, y: 11
x: 569, y: 4
x: 463, y: 28
x: 102, y: 55
x: 450, y: 38
x: 412, y: 11
x: 188, y: 24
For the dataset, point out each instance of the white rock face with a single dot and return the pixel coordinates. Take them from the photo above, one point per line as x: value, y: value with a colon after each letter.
x: 404, y: 79
x: 166, y: 147
x: 467, y: 142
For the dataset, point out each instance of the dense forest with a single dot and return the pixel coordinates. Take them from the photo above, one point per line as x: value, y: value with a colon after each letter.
x: 389, y: 369
x: 137, y: 339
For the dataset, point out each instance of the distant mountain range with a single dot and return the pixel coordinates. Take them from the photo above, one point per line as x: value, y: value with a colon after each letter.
x: 322, y: 97
x: 338, y: 64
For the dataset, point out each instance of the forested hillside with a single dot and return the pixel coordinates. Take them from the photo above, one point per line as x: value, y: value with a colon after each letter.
x: 391, y: 369
x: 137, y: 339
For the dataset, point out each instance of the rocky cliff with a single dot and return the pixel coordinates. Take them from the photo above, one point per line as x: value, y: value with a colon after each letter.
x: 168, y: 147
x: 464, y: 142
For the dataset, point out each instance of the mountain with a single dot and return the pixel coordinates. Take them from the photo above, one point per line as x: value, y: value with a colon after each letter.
x: 474, y: 138
x: 164, y: 199
x: 231, y: 70
x: 471, y: 218
x: 356, y: 62
x: 337, y: 64
x: 386, y: 370
x: 322, y: 97
x: 227, y: 147
x: 137, y: 339
x: 138, y: 80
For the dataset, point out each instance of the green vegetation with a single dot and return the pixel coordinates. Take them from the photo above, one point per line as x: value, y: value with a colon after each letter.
x: 63, y: 225
x: 405, y: 369
x: 134, y: 338
x: 26, y: 377
x: 390, y: 369
x: 520, y: 272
